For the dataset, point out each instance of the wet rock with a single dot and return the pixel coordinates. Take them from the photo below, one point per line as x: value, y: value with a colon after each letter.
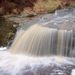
x: 27, y: 73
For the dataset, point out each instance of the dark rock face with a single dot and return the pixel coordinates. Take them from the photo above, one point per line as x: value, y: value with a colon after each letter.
x: 7, y: 31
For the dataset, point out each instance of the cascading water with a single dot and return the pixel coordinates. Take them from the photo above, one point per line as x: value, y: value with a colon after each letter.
x: 40, y: 41
x: 52, y: 37
x: 44, y: 41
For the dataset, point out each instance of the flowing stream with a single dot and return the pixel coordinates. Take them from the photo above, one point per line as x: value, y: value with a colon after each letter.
x: 44, y: 41
x: 44, y: 48
x: 54, y: 34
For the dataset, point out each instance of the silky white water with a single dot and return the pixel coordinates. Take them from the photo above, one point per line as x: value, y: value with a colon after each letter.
x: 44, y: 41
x: 16, y: 64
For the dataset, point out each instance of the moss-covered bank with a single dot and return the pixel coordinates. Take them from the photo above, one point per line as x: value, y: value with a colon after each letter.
x: 7, y: 31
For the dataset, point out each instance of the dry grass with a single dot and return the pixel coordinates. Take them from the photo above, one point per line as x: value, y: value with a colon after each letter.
x: 72, y: 4
x: 34, y: 6
x: 42, y: 6
x: 46, y: 5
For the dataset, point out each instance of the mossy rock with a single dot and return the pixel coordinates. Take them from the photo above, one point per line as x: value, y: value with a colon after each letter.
x: 7, y: 31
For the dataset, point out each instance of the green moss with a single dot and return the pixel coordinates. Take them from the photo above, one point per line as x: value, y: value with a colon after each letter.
x: 7, y: 31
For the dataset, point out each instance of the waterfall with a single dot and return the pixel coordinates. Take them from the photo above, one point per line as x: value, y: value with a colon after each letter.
x: 42, y: 48
x: 43, y: 41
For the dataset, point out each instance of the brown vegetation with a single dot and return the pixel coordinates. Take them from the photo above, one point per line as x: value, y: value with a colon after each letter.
x: 17, y: 6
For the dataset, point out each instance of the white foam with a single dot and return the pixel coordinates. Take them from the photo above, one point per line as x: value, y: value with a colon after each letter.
x: 73, y: 72
x: 3, y: 48
x: 12, y: 64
